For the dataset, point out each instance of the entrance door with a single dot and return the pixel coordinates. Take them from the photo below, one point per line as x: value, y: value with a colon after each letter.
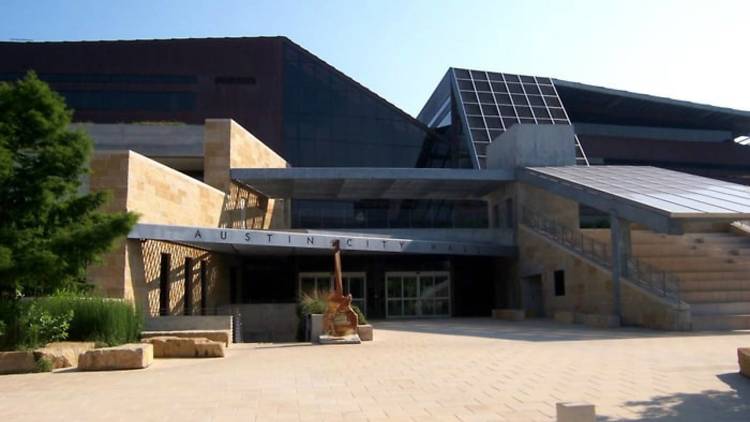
x: 417, y: 294
x: 533, y: 296
x: 354, y: 283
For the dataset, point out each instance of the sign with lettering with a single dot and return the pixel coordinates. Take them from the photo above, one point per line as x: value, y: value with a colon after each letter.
x: 317, y: 240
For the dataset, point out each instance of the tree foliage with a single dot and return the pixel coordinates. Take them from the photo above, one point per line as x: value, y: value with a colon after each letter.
x: 49, y: 231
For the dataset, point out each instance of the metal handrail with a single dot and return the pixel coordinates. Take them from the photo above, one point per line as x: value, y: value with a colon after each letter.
x: 655, y: 280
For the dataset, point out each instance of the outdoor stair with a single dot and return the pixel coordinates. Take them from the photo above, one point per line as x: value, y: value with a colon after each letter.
x: 713, y: 271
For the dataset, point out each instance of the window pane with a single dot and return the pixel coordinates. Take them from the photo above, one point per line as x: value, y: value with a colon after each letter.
x: 394, y: 287
x: 442, y: 287
x: 394, y: 308
x: 410, y: 287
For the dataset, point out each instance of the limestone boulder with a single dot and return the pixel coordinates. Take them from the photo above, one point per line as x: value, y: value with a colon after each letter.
x: 63, y: 354
x: 743, y: 355
x: 17, y: 362
x: 223, y: 336
x: 126, y: 356
x: 185, y: 347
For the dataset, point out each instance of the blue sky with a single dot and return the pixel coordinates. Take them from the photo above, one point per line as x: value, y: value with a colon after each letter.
x: 691, y: 50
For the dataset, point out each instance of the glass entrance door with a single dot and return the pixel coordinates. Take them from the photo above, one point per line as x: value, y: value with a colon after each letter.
x: 417, y: 294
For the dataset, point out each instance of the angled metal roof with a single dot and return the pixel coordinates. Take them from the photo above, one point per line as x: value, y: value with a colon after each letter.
x: 642, y: 194
x: 590, y: 103
x: 372, y: 183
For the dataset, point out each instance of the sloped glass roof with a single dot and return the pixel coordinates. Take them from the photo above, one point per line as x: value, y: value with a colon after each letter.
x: 493, y: 102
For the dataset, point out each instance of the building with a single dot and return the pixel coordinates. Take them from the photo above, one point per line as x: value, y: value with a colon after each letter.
x: 246, y: 157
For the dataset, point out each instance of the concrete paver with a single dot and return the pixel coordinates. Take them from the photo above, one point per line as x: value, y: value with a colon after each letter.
x: 436, y: 370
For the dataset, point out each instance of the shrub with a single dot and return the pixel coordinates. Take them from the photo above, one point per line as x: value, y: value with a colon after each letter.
x: 28, y: 325
x: 43, y: 365
x: 101, y: 320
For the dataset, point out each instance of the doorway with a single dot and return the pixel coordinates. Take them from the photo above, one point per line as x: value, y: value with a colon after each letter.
x: 533, y: 296
x: 417, y: 294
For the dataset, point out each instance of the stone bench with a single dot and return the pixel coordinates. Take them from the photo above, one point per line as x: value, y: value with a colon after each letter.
x: 17, y: 362
x: 743, y: 356
x: 222, y: 336
x: 126, y: 356
x: 63, y: 354
x: 185, y: 347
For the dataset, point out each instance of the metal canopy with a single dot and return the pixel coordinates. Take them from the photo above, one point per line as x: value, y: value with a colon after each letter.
x: 372, y: 183
x: 647, y: 195
x: 275, y: 242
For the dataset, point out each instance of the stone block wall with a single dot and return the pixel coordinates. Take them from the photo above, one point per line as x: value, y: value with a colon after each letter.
x: 228, y: 145
x: 589, y: 287
x: 144, y: 259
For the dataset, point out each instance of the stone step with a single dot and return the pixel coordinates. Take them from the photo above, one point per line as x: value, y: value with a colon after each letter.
x: 714, y: 285
x: 699, y: 264
x: 674, y: 250
x: 715, y: 296
x: 720, y: 308
x: 735, y: 241
x: 710, y: 275
x: 721, y: 322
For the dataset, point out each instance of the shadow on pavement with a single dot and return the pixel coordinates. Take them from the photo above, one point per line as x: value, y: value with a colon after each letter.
x: 535, y: 330
x: 730, y: 406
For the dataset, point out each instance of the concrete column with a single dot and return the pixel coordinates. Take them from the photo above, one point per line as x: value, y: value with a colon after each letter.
x: 621, y: 250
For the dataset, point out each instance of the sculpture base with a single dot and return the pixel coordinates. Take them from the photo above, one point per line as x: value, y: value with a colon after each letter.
x: 328, y: 339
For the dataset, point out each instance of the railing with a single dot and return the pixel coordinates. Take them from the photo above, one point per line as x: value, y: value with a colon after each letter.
x: 659, y: 282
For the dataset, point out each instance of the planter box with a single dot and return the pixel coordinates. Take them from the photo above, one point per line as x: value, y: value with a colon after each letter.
x: 314, y: 327
x: 365, y: 332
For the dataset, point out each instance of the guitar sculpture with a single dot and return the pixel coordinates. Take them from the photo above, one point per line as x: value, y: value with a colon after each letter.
x: 339, y: 320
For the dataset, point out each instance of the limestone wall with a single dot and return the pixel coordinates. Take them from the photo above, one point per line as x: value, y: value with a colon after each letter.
x: 144, y: 259
x: 588, y: 287
x: 228, y: 145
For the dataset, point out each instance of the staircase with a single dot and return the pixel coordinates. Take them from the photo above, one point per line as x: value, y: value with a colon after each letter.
x: 713, y: 271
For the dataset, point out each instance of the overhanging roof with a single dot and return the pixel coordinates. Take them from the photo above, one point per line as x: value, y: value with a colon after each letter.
x: 648, y: 195
x: 590, y: 103
x: 372, y: 183
x: 275, y: 242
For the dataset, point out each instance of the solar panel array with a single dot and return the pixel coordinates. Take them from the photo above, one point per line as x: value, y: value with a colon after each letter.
x: 493, y: 102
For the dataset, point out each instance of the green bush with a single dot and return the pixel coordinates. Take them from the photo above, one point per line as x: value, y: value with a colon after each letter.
x: 43, y: 365
x: 29, y: 325
x: 105, y: 321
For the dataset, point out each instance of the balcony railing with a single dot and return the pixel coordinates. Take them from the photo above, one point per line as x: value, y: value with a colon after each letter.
x: 662, y: 283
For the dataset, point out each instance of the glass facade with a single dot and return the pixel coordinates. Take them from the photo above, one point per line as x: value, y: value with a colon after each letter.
x: 493, y: 102
x: 396, y: 214
x: 330, y: 120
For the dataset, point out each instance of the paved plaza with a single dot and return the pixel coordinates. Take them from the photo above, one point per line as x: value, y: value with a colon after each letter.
x: 457, y: 370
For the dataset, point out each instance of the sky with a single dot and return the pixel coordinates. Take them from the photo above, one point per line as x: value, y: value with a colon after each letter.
x: 690, y: 50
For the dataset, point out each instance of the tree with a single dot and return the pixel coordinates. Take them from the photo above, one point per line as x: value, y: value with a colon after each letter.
x: 49, y: 231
